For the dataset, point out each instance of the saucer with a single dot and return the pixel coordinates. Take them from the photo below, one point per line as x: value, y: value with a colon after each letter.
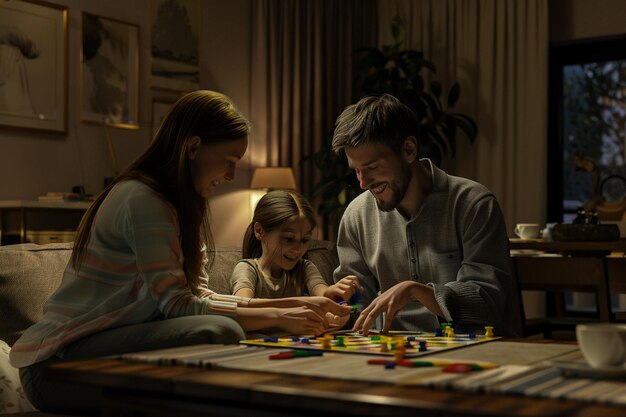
x: 583, y: 369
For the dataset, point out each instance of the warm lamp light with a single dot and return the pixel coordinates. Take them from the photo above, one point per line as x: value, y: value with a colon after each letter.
x: 273, y: 178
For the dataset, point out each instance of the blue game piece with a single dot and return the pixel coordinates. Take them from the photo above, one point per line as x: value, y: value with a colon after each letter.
x: 295, y: 339
x: 408, y: 344
x: 439, y: 332
x: 356, y: 297
x: 422, y: 346
x: 472, y: 335
x: 305, y: 340
x: 410, y: 338
x: 271, y: 339
x: 390, y: 365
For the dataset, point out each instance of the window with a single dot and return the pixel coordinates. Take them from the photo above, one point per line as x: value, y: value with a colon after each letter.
x: 587, y: 126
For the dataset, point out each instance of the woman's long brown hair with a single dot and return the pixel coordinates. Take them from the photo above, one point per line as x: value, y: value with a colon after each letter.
x: 164, y: 167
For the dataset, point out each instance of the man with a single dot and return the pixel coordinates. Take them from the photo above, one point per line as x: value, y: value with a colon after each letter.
x: 433, y: 245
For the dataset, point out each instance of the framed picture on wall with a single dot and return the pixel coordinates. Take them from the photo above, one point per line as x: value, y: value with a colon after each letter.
x: 109, y: 72
x: 33, y: 66
x: 160, y: 108
x: 175, y: 37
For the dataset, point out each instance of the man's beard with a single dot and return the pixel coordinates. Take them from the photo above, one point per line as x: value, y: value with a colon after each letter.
x: 398, y: 191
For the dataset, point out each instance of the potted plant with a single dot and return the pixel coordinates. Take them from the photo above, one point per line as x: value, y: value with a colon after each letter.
x: 398, y: 72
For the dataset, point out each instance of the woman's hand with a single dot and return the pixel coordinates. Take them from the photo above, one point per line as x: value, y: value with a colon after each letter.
x: 345, y: 289
x: 301, y: 321
x: 336, y: 322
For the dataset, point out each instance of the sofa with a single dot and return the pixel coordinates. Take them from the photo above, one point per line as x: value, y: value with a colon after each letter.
x: 30, y: 273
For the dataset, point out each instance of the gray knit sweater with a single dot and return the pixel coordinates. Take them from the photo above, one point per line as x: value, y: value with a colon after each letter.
x: 457, y: 243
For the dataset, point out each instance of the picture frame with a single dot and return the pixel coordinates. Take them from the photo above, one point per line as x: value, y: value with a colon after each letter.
x: 109, y: 72
x: 160, y: 108
x: 34, y: 86
x: 175, y: 29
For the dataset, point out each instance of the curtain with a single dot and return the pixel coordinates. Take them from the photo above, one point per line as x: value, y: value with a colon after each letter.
x: 302, y: 76
x: 498, y: 51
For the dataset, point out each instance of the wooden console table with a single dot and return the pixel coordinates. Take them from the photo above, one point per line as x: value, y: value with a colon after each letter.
x: 147, y: 389
x: 555, y: 246
x: 574, y: 270
x: 27, y: 208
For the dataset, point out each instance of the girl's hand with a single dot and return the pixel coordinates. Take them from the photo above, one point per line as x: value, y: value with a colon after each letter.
x: 345, y: 289
x: 323, y: 305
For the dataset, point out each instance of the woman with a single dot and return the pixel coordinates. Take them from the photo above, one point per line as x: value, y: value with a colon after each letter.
x: 134, y: 281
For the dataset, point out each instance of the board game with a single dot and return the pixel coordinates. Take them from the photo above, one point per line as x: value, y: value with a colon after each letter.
x: 376, y: 343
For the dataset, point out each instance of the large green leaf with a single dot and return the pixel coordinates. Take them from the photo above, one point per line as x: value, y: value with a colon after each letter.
x: 454, y: 94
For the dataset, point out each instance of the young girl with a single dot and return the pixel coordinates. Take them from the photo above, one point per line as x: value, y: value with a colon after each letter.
x: 273, y: 248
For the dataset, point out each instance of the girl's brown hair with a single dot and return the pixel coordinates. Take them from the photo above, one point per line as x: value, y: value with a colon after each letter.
x: 271, y: 212
x: 164, y: 167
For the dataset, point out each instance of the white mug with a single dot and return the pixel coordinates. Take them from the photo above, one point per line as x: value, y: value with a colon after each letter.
x: 527, y: 230
x: 603, y: 345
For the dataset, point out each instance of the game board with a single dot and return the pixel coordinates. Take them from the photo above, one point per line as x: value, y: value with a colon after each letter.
x: 376, y: 343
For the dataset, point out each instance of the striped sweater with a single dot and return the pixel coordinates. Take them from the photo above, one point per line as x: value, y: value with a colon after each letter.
x: 131, y: 273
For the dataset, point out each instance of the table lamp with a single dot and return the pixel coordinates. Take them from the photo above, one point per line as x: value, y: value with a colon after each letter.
x: 273, y: 178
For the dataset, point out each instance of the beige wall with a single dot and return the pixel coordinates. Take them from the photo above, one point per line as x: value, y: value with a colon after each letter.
x: 578, y: 19
x: 32, y: 162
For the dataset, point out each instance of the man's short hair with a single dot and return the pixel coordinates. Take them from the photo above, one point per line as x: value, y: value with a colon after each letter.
x: 375, y: 119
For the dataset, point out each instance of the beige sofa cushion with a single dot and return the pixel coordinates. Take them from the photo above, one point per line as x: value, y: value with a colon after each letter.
x: 29, y: 273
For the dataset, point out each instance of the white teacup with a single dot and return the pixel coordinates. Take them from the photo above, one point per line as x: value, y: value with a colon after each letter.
x: 527, y: 230
x: 603, y: 345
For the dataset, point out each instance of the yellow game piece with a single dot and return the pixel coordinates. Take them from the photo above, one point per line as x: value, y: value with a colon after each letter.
x: 399, y: 353
x: 489, y: 331
x: 325, y: 342
x: 450, y: 332
x: 384, y: 347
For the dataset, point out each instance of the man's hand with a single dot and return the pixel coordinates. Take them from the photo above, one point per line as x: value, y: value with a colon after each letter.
x: 394, y: 300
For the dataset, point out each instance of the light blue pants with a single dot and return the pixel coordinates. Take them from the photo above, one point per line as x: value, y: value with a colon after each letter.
x: 84, y: 400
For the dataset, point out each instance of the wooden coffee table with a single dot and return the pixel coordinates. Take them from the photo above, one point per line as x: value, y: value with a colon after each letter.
x: 143, y: 389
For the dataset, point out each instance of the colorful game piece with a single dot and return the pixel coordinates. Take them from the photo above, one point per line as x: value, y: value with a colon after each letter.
x: 325, y: 341
x: 446, y: 365
x: 384, y: 347
x: 422, y: 346
x: 489, y: 331
x: 296, y: 354
x: 390, y: 365
x: 295, y: 339
x: 449, y: 332
x: 271, y: 339
x: 439, y: 332
x: 399, y: 353
x: 471, y: 335
x: 457, y: 368
x: 340, y: 342
x: 305, y: 340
